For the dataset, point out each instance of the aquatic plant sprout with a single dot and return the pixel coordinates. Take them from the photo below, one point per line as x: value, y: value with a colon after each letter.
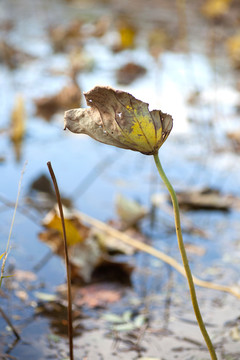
x: 117, y: 118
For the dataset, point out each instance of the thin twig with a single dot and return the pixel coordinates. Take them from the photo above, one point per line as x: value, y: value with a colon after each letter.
x: 68, y: 270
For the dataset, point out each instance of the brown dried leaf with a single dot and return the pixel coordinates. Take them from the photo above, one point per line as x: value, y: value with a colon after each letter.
x: 69, y: 96
x: 235, y: 138
x: 11, y: 56
x: 63, y: 37
x: 130, y: 72
x: 119, y: 119
x: 208, y: 199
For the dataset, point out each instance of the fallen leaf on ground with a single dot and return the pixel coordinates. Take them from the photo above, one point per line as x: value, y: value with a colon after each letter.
x: 130, y: 72
x: 98, y: 295
x: 68, y: 97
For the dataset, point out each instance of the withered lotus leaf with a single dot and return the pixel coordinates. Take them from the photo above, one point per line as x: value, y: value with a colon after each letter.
x: 117, y: 118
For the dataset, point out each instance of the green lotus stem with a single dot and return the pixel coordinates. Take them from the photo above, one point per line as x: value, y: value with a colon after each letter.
x: 185, y: 259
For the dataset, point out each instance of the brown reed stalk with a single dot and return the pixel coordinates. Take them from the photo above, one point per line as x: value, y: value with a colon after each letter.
x: 68, y: 269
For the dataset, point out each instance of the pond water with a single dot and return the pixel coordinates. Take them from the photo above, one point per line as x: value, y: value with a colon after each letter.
x: 189, y: 78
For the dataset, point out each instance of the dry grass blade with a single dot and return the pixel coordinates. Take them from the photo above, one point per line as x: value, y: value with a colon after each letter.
x: 70, y: 327
x: 156, y: 253
x: 11, y: 227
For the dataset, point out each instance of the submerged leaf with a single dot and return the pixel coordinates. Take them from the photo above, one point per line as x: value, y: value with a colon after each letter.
x: 129, y: 211
x: 119, y: 119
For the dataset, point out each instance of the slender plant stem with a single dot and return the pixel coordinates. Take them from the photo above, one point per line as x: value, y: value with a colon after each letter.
x: 11, y: 227
x: 70, y: 327
x: 185, y: 259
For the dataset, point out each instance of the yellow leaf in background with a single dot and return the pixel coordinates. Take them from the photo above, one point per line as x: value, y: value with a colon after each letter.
x: 17, y: 130
x: 233, y: 45
x: 214, y: 8
x: 73, y: 233
x: 2, y: 255
x: 127, y: 36
x: 18, y: 120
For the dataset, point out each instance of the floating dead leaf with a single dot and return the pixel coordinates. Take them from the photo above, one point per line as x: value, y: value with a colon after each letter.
x: 65, y: 37
x: 129, y: 211
x: 22, y: 295
x: 17, y: 129
x: 207, y: 199
x: 234, y: 137
x: 113, y: 246
x: 11, y: 56
x: 130, y: 72
x: 23, y: 275
x: 98, y: 295
x: 76, y: 232
x: 42, y: 184
x: 84, y: 258
x: 235, y: 333
x: 101, y: 26
x: 215, y: 8
x: 117, y: 118
x: 195, y: 249
x: 41, y: 195
x: 56, y: 311
x: 69, y: 96
x: 233, y: 46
